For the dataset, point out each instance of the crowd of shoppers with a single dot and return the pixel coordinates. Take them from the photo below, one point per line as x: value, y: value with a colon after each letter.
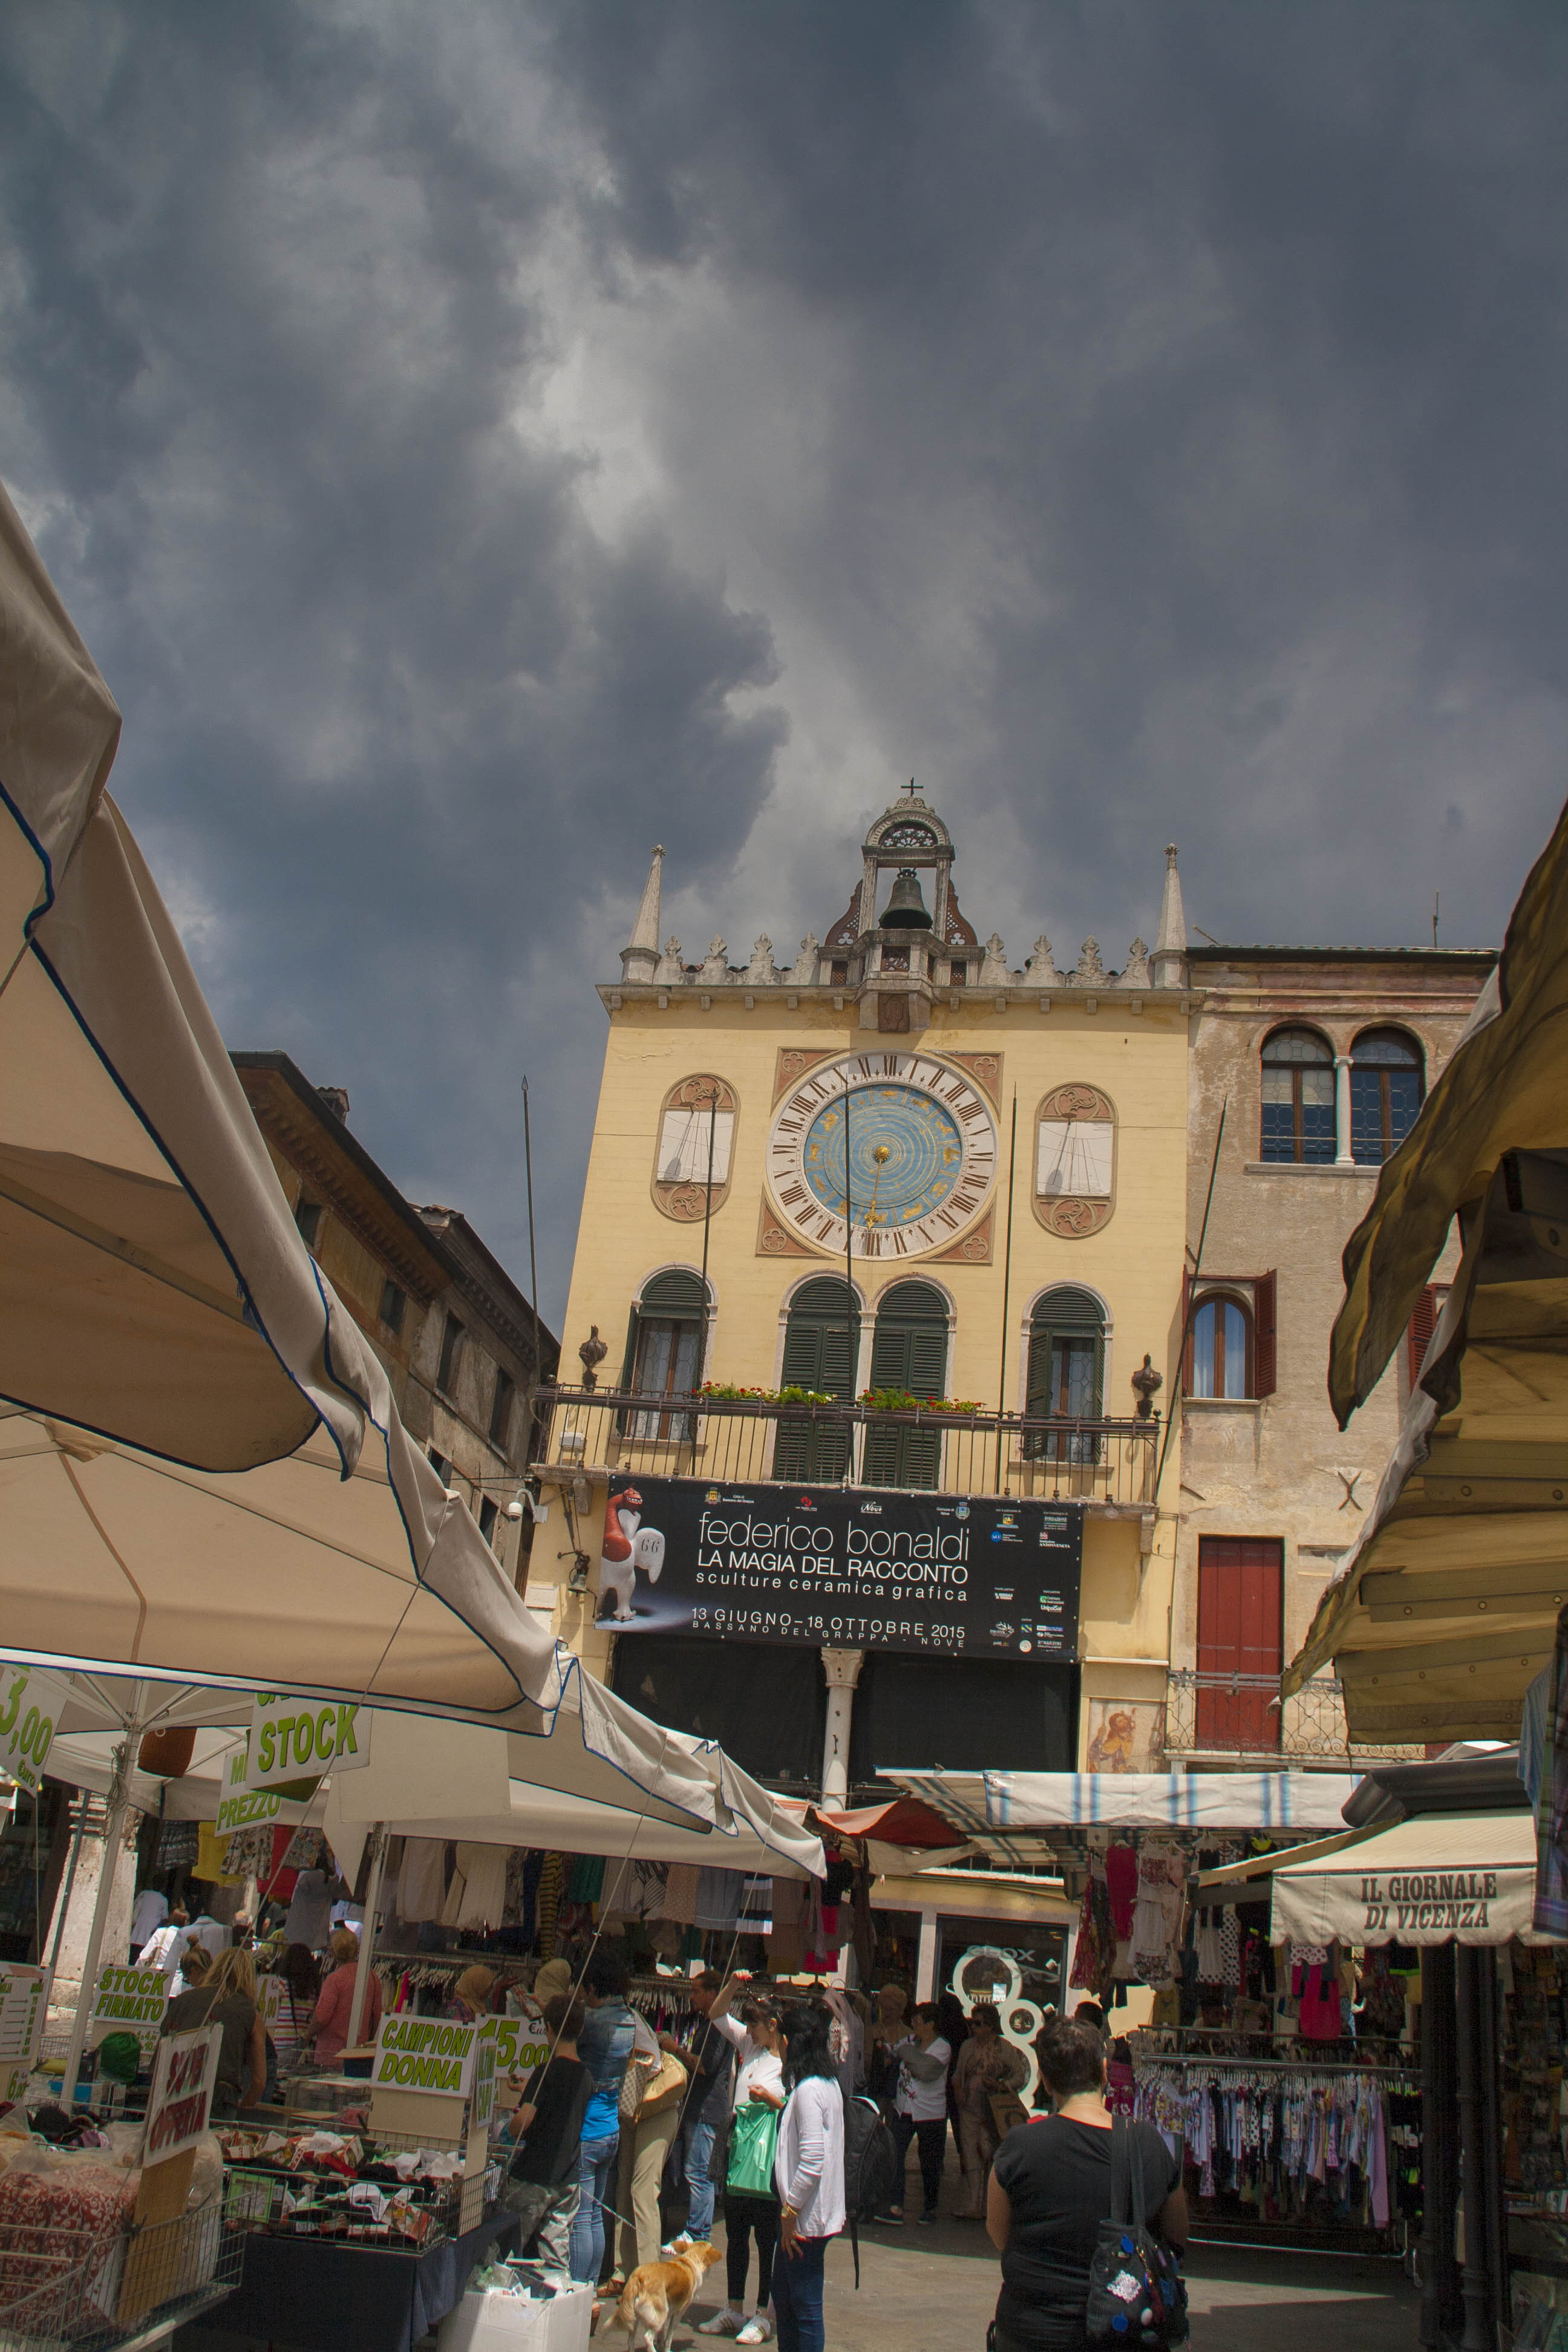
x: 750, y: 2114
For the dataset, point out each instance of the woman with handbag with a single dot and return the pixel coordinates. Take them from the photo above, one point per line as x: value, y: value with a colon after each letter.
x: 1050, y: 2208
x: 750, y: 2200
x: 652, y: 2091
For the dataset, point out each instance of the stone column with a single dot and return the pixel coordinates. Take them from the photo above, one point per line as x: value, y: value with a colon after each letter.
x: 842, y: 1669
x: 1345, y: 1157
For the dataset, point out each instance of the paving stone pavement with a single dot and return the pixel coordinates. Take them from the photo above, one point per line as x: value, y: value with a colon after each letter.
x: 934, y: 2291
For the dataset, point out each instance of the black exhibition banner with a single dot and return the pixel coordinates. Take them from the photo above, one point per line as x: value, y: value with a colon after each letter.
x: 849, y: 1567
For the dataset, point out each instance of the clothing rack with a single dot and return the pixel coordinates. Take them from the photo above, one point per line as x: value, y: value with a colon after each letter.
x: 1240, y: 2064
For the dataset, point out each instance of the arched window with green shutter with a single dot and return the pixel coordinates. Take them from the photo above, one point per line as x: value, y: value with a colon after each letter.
x: 1067, y: 1374
x: 908, y: 1351
x: 821, y: 1347
x: 665, y: 1347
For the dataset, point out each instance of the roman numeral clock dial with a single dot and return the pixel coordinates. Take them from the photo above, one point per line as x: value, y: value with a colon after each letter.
x: 895, y: 1153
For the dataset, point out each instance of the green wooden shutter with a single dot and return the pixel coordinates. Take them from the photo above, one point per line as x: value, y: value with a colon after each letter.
x: 674, y: 1293
x: 910, y: 1352
x: 822, y: 1341
x: 1066, y: 1314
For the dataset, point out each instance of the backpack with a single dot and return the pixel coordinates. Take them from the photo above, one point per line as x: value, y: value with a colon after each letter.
x: 1137, y: 2295
x: 870, y: 2166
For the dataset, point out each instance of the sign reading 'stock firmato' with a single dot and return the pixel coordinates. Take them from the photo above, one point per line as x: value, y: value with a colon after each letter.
x: 426, y: 2054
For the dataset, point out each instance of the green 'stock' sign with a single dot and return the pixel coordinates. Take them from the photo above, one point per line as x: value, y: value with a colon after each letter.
x: 301, y: 1738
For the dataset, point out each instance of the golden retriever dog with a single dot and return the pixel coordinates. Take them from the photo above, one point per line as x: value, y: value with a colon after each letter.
x: 657, y: 2295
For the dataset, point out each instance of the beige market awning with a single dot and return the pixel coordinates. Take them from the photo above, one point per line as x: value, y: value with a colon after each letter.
x: 1443, y: 1878
x: 1447, y: 1607
x: 202, y: 1471
x: 489, y: 1787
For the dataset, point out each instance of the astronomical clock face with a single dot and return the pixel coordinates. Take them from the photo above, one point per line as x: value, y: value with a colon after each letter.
x: 895, y: 1152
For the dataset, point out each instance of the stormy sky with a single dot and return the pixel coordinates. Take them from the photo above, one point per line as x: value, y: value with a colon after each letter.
x: 478, y: 442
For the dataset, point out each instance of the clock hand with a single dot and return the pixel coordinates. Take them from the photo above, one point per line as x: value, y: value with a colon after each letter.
x: 881, y: 1156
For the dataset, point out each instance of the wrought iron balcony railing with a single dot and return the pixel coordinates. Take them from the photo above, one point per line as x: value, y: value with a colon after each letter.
x: 751, y: 1441
x: 1242, y: 1716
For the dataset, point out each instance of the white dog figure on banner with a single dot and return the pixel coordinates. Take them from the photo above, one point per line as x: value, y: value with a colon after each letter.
x: 626, y: 1546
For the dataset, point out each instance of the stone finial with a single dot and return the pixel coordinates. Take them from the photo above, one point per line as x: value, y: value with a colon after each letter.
x: 1168, y: 965
x: 671, y: 971
x: 591, y: 1352
x: 716, y: 964
x: 1137, y: 973
x: 994, y: 972
x: 762, y: 971
x: 803, y: 972
x: 1088, y: 972
x: 640, y: 957
x: 1041, y: 970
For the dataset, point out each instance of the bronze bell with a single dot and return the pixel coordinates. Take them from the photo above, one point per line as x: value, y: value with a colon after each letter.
x: 906, y: 909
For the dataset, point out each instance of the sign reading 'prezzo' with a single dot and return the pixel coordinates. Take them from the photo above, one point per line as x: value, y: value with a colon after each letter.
x: 989, y: 1576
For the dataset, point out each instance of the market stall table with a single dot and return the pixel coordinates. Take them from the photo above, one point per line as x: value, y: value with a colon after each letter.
x: 326, y: 2297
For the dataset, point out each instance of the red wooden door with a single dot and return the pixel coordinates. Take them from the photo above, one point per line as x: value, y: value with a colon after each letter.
x: 1241, y: 1583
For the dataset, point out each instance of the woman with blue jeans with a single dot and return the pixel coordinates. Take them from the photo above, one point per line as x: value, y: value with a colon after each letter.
x: 605, y: 2047
x: 808, y: 2173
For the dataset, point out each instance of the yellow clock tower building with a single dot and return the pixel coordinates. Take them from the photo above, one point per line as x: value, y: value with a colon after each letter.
x: 898, y: 1221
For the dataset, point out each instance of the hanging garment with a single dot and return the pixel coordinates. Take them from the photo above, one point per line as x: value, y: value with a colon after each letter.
x: 310, y: 1911
x: 422, y: 1883
x: 1157, y: 1921
x: 1095, y: 1956
x: 249, y: 1852
x: 476, y: 1897
x: 307, y: 1849
x: 177, y: 1844
x: 1121, y: 1887
x: 548, y: 1895
x: 634, y: 1890
x: 680, y: 1893
x: 718, y: 1898
x: 209, y: 1859
x: 786, y: 1944
x: 587, y: 1880
x: 1206, y: 1945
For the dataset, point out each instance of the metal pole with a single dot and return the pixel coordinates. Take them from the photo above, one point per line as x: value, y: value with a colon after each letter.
x: 367, y: 1931
x: 1491, y: 2119
x: 529, y: 1407
x: 1006, y: 1287
x: 1475, y: 2282
x: 851, y: 1319
x: 1191, y: 1298
x: 707, y: 1222
x: 1437, y: 2121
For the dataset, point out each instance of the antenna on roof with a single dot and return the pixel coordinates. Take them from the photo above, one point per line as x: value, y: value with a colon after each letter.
x: 1437, y: 903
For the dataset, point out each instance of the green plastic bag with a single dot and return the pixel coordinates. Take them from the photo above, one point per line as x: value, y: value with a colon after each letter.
x: 753, y: 2137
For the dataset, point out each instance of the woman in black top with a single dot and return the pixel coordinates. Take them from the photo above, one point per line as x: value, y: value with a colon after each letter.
x: 1050, y: 2189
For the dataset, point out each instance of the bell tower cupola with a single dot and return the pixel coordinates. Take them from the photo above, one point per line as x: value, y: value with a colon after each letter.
x: 896, y: 958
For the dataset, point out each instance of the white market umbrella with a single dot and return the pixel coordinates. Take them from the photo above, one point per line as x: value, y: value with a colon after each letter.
x: 203, y: 1473
x: 485, y: 1788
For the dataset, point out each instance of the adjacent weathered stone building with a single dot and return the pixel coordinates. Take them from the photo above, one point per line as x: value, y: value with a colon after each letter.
x: 1319, y: 1058
x: 461, y: 1345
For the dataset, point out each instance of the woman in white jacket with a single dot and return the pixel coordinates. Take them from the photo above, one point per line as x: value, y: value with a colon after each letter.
x: 808, y: 2172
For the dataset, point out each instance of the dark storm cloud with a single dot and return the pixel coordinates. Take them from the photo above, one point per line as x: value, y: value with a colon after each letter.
x: 478, y: 442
